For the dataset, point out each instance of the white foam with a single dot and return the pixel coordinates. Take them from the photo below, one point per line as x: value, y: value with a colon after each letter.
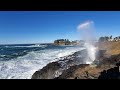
x: 32, y: 46
x: 24, y: 67
x: 91, y: 53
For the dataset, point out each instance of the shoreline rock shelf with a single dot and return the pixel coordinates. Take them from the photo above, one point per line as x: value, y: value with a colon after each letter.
x: 74, y: 67
x: 106, y: 65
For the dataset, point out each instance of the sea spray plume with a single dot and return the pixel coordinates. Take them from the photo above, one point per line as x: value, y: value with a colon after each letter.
x: 86, y: 30
x: 85, y: 25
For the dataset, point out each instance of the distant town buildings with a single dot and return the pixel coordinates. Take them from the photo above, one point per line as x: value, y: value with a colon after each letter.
x: 67, y: 42
x: 107, y: 38
x: 62, y: 42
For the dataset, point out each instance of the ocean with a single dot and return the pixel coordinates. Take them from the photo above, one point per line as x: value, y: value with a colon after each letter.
x: 20, y: 61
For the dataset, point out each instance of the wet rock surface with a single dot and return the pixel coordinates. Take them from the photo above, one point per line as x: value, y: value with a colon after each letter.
x: 74, y: 67
x: 54, y: 69
x: 47, y: 72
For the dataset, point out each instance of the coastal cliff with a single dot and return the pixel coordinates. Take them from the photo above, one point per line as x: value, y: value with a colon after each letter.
x: 73, y: 67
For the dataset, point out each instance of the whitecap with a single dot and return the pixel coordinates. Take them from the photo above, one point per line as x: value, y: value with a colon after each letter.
x: 23, y: 67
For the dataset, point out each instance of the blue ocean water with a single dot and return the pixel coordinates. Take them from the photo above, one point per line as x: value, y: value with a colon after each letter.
x: 20, y: 61
x: 8, y: 52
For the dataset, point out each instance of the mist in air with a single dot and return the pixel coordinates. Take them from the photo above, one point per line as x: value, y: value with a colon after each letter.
x: 87, y: 33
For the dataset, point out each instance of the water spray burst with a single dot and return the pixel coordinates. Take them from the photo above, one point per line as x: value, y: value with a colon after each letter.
x: 86, y: 30
x: 85, y: 25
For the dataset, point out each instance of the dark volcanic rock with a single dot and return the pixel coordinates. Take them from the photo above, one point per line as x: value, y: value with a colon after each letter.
x: 69, y: 73
x: 54, y: 69
x: 112, y: 73
x: 115, y: 58
x: 106, y: 69
x: 74, y: 67
x: 111, y: 61
x: 47, y: 72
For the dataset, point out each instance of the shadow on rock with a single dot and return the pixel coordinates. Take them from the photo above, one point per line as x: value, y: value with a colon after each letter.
x: 112, y: 73
x: 70, y: 73
x: 47, y: 72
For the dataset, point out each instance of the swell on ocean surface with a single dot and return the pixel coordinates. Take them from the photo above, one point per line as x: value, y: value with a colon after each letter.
x: 23, y: 67
x: 8, y: 52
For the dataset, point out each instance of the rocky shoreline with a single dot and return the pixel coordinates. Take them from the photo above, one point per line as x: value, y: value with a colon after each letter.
x: 74, y: 67
x: 54, y: 69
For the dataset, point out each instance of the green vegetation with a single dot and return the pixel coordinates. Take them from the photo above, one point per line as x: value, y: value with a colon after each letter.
x: 109, y: 38
x: 62, y: 42
x: 66, y: 42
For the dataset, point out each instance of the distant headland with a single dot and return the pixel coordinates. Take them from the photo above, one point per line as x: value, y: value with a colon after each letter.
x: 63, y: 42
x: 105, y: 66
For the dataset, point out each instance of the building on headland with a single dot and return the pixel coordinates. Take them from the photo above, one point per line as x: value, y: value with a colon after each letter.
x: 59, y: 42
x: 66, y: 42
x: 107, y: 38
x: 62, y: 42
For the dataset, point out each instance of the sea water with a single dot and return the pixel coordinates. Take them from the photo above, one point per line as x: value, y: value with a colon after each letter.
x: 20, y: 61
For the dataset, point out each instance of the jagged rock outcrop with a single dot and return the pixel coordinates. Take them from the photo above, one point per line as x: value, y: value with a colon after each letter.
x: 54, y: 69
x: 47, y: 72
x: 73, y: 67
x: 71, y: 72
x: 112, y: 73
x: 106, y: 69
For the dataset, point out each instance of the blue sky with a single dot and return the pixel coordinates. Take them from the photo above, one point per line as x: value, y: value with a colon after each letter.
x: 46, y: 26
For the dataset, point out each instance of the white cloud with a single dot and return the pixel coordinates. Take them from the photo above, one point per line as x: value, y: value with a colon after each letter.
x: 85, y: 25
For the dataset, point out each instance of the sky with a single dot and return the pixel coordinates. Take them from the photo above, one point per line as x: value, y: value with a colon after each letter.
x: 17, y: 27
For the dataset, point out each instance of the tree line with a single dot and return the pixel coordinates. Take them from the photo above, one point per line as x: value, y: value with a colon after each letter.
x: 65, y: 41
x: 109, y: 38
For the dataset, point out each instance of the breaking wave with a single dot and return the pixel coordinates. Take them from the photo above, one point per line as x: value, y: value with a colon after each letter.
x: 23, y: 67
